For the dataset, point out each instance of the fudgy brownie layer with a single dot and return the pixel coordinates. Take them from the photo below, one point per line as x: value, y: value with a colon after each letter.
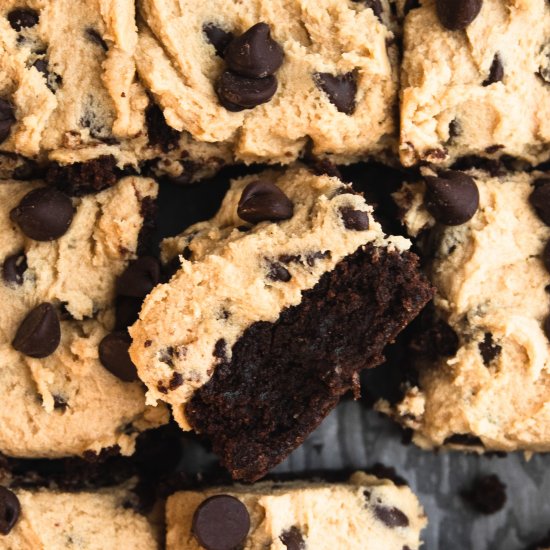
x: 285, y: 377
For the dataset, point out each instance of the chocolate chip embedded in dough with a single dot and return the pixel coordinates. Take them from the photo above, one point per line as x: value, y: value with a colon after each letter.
x: 14, y: 268
x: 293, y: 539
x: 139, y: 278
x: 278, y: 272
x: 44, y: 214
x: 264, y: 201
x: 540, y: 199
x: 237, y: 92
x: 221, y: 522
x: 488, y: 349
x: 114, y: 356
x: 216, y: 36
x: 254, y: 54
x: 93, y: 36
x: 391, y: 516
x: 496, y: 72
x: 7, y: 119
x: 39, y: 333
x: 456, y: 15
x: 340, y: 89
x: 354, y: 220
x: 10, y: 510
x: 23, y: 19
x: 452, y: 198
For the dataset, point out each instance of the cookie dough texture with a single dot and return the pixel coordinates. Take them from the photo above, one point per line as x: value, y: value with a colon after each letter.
x: 68, y: 403
x: 449, y: 108
x: 179, y: 67
x: 323, y: 516
x: 52, y: 520
x: 225, y: 285
x: 72, y: 81
x: 491, y: 283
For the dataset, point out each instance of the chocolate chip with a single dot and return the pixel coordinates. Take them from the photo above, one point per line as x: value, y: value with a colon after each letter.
x: 7, y: 119
x: 93, y: 36
x: 59, y: 403
x: 540, y: 199
x: 175, y: 382
x: 546, y: 256
x: 114, y: 356
x: 264, y: 201
x: 457, y: 14
x: 546, y: 327
x: 13, y: 269
x: 340, y: 89
x: 278, y: 272
x: 237, y: 93
x: 44, y: 214
x: 354, y: 220
x: 391, y: 516
x: 139, y: 278
x: 219, y: 38
x: 496, y: 72
x: 22, y: 18
x: 488, y: 349
x: 452, y: 198
x: 254, y: 54
x: 293, y: 539
x: 10, y: 509
x: 53, y: 80
x: 454, y: 129
x: 39, y: 333
x: 221, y: 522
x: 126, y: 311
x: 311, y: 259
x: 487, y: 494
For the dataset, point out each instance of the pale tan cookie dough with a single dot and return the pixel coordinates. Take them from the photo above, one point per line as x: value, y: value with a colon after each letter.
x: 68, y: 403
x: 90, y: 102
x: 179, y: 67
x: 491, y: 290
x: 101, y: 520
x: 225, y: 286
x: 446, y: 110
x: 353, y: 515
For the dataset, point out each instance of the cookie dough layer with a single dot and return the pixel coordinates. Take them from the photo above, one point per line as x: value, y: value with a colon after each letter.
x: 481, y: 91
x: 102, y: 520
x: 366, y: 513
x: 67, y: 403
x: 72, y: 82
x: 492, y: 291
x: 226, y: 284
x: 179, y: 67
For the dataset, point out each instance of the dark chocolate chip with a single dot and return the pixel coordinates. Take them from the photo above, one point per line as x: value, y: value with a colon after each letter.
x: 278, y: 272
x: 293, y: 539
x: 340, y: 89
x: 540, y: 199
x: 546, y: 256
x: 59, y: 403
x: 546, y: 327
x: 53, y: 80
x: 23, y: 18
x: 10, y: 509
x: 454, y: 129
x: 355, y: 220
x: 139, y: 278
x: 7, y: 119
x: 114, y: 356
x: 219, y: 38
x: 488, y: 349
x: 221, y: 522
x: 456, y: 15
x: 263, y: 201
x: 487, y: 494
x: 166, y: 356
x: 44, y: 214
x: 93, y: 36
x: 126, y: 311
x: 237, y: 93
x: 14, y: 268
x: 496, y: 72
x: 452, y: 198
x: 391, y: 516
x: 311, y: 259
x: 39, y: 333
x: 254, y: 54
x: 175, y: 382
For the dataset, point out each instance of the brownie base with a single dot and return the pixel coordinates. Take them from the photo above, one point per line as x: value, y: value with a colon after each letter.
x: 283, y: 378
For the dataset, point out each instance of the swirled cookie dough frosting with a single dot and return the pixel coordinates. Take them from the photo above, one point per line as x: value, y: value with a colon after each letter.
x: 69, y: 91
x: 476, y: 83
x: 41, y: 519
x: 271, y: 78
x: 365, y: 513
x: 59, y: 261
x: 264, y: 292
x: 483, y: 354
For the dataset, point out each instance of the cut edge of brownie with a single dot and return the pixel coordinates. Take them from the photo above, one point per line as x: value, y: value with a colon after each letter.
x: 285, y: 377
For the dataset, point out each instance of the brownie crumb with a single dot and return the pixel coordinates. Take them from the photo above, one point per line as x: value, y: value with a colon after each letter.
x: 487, y: 494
